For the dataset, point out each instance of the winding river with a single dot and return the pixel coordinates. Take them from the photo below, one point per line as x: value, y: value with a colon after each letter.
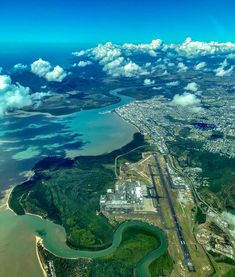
x: 17, y: 233
x: 142, y: 268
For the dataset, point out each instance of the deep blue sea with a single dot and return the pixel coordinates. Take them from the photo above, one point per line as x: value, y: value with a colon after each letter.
x: 27, y: 53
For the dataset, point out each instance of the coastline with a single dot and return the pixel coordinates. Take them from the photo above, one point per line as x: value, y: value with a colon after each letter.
x: 5, y: 200
x: 5, y: 205
x: 128, y: 122
x: 29, y: 174
x: 39, y: 241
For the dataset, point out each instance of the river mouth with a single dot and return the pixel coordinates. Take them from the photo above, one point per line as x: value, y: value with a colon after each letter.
x: 54, y: 240
x: 102, y: 131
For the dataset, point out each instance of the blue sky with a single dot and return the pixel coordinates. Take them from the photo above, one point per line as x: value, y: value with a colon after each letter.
x: 90, y: 21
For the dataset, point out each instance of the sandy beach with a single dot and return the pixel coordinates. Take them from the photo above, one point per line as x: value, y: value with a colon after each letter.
x: 39, y: 241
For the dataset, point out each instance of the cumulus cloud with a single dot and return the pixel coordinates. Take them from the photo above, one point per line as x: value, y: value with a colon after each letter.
x: 20, y: 67
x: 157, y: 88
x: 165, y: 72
x: 45, y: 70
x: 187, y: 100
x: 82, y: 64
x: 132, y: 69
x: 231, y: 56
x: 173, y: 84
x: 148, y: 82
x: 12, y: 96
x: 192, y: 87
x: 114, y: 59
x: 182, y: 67
x: 200, y: 66
x: 120, y: 67
x: 56, y: 75
x: 224, y: 63
x: 144, y: 48
x: 106, y: 53
x: 79, y: 53
x: 221, y: 71
x: 37, y: 98
x: 192, y: 48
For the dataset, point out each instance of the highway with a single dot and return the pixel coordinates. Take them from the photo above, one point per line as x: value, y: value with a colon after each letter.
x: 184, y: 247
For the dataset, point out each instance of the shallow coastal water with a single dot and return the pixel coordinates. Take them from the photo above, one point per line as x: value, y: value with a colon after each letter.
x: 17, y: 247
x: 54, y: 240
x: 24, y: 141
x: 27, y: 138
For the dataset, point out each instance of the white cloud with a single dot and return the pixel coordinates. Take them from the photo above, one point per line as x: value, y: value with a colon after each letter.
x: 106, y: 53
x: 148, y: 82
x: 173, y: 84
x: 114, y: 67
x: 144, y: 48
x: 44, y: 69
x: 20, y: 67
x: 192, y: 48
x: 56, y: 75
x: 41, y: 67
x: 231, y: 56
x: 82, y: 64
x: 221, y: 71
x: 132, y: 69
x: 182, y: 67
x: 165, y: 73
x: 170, y: 64
x: 200, y: 66
x: 12, y: 96
x: 37, y: 97
x: 79, y: 53
x: 192, y: 87
x: 186, y: 100
x: 123, y: 68
x: 157, y: 88
x: 113, y: 58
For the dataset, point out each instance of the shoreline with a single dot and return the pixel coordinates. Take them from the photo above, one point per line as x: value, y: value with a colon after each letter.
x: 5, y: 200
x: 39, y: 241
x: 29, y: 174
x: 128, y: 122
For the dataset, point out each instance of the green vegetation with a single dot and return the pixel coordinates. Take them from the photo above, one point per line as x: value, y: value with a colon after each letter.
x: 216, y: 229
x: 231, y: 273
x: 184, y: 132
x: 218, y: 170
x: 81, y: 94
x: 68, y: 192
x: 200, y: 217
x: 136, y: 243
x: 162, y: 266
x: 222, y: 259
